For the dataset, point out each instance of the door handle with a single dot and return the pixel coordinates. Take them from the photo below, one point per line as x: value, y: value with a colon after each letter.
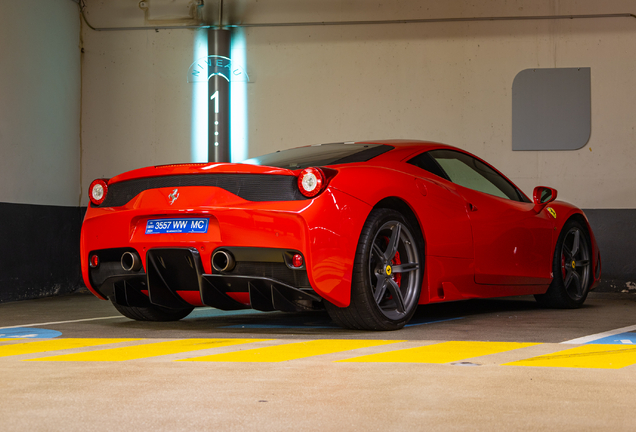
x: 472, y: 207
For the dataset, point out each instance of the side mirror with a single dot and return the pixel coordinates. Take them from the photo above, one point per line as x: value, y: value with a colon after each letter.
x: 543, y: 195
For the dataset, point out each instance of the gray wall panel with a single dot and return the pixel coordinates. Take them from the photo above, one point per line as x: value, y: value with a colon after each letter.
x: 551, y: 109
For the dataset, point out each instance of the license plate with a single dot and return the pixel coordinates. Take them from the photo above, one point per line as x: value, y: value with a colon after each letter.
x: 177, y: 226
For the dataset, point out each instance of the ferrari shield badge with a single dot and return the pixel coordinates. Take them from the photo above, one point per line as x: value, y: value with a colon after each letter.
x: 552, y: 212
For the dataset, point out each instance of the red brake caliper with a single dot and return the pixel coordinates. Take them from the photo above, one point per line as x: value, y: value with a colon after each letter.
x: 563, y: 265
x: 397, y: 277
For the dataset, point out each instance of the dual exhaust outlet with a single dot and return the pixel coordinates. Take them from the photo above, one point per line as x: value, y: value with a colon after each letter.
x: 222, y: 261
x: 130, y: 261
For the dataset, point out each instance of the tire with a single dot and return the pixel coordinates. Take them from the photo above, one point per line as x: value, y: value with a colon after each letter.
x: 571, y: 268
x: 387, y: 275
x: 152, y: 312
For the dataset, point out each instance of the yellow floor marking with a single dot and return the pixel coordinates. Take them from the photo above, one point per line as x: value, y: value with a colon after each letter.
x: 55, y: 345
x: 11, y: 339
x: 292, y: 351
x: 593, y: 356
x: 444, y: 352
x: 148, y: 350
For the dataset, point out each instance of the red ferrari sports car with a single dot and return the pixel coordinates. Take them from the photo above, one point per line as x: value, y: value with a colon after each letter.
x: 367, y: 230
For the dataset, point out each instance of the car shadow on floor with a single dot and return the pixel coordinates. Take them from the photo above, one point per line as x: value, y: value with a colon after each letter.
x: 210, y: 320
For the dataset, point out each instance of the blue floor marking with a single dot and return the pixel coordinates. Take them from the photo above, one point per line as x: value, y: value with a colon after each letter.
x: 28, y: 332
x: 628, y: 338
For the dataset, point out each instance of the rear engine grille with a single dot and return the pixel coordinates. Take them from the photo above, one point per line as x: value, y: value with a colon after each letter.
x: 250, y: 187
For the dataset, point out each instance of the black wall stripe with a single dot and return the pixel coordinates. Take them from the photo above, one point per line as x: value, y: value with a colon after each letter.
x: 39, y: 250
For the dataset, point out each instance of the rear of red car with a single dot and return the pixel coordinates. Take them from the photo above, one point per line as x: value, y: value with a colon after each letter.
x: 230, y: 236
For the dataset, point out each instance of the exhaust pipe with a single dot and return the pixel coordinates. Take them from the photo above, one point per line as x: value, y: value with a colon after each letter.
x: 223, y: 261
x: 130, y: 261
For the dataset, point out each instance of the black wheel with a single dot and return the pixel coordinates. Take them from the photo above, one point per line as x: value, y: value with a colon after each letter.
x: 387, y: 275
x: 571, y: 268
x: 152, y: 312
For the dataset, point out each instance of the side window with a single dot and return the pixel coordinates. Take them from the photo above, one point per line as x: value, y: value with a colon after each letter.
x: 427, y: 163
x: 471, y: 173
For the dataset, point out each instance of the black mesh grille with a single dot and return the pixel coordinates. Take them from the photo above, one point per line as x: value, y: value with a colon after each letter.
x: 251, y: 187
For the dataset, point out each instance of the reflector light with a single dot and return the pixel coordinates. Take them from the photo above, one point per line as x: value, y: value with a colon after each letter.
x: 311, y: 181
x: 94, y: 261
x: 297, y: 260
x: 97, y: 191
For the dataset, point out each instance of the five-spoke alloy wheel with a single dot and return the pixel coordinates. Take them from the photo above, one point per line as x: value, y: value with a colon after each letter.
x: 571, y: 268
x: 387, y: 275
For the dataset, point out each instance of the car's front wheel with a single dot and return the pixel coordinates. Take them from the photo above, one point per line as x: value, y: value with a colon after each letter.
x: 387, y: 275
x: 571, y: 268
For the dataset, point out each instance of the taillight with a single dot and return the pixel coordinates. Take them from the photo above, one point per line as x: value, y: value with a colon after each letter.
x: 97, y: 191
x: 94, y: 261
x: 311, y: 181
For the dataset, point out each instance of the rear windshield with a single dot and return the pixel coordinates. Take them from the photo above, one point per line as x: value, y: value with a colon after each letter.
x: 320, y: 155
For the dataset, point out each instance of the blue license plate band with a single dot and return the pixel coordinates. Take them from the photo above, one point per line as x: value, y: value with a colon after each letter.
x: 177, y: 226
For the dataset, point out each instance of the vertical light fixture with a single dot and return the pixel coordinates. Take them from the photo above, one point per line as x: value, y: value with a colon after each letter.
x: 199, y: 125
x: 238, y: 102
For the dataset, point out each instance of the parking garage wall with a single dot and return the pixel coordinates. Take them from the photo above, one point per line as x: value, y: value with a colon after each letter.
x: 443, y: 81
x: 40, y: 215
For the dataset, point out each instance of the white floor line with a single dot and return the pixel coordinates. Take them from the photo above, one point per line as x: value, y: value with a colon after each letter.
x: 61, y: 322
x: 590, y: 338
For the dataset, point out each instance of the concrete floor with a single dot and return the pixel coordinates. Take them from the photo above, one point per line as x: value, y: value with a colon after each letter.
x: 456, y: 368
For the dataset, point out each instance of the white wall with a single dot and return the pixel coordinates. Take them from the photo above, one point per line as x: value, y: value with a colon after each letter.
x: 39, y: 102
x: 449, y: 82
x: 136, y: 102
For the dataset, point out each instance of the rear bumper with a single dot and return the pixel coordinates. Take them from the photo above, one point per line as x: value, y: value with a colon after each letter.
x: 175, y: 278
x: 325, y: 230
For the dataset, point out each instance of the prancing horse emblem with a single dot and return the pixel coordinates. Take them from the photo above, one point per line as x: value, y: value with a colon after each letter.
x: 173, y: 196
